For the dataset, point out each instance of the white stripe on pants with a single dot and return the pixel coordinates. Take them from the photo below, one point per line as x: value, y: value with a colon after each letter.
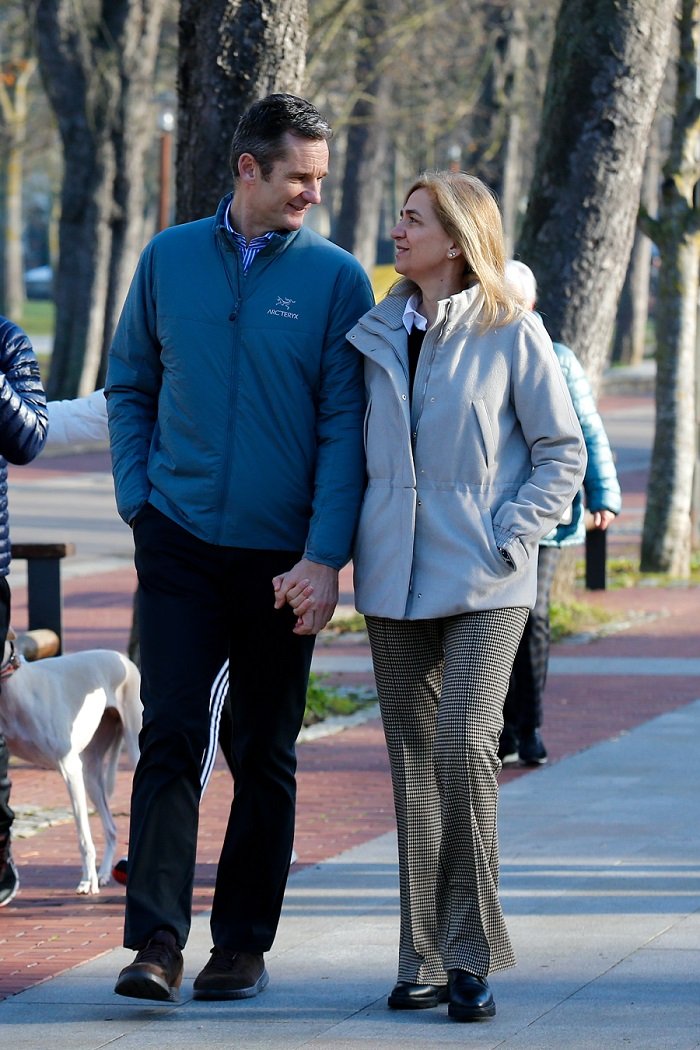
x: 219, y: 690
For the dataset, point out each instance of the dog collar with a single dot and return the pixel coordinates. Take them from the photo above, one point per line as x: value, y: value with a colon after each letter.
x: 10, y: 665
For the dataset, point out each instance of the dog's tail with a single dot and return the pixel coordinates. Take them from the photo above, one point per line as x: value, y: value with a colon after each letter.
x: 131, y: 710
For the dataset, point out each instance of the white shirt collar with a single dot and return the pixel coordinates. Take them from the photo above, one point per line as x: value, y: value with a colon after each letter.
x: 411, y: 317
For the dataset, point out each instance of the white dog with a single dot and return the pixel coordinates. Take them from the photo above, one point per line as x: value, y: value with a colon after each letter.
x: 72, y: 713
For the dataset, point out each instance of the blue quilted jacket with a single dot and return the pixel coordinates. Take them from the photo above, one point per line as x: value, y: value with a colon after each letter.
x: 23, y: 416
x: 600, y: 484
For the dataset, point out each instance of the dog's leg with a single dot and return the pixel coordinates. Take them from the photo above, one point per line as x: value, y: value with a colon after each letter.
x: 128, y: 703
x: 72, y: 772
x: 95, y: 788
x: 100, y: 760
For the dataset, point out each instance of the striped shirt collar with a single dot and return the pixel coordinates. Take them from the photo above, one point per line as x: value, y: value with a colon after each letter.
x: 248, y: 249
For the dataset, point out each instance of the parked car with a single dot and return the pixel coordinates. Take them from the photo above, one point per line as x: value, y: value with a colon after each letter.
x: 38, y: 282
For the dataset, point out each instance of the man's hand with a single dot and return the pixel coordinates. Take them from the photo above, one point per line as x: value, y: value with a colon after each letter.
x: 311, y: 590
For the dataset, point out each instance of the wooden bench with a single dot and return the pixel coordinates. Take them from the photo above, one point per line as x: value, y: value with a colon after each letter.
x: 44, y: 594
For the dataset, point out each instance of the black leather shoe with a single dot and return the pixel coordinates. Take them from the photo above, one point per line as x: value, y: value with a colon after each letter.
x: 408, y: 996
x: 231, y: 975
x: 156, y: 972
x: 470, y: 997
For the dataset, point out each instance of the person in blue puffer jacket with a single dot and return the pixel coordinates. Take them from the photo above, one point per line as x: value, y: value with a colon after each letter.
x: 521, y: 739
x: 23, y: 427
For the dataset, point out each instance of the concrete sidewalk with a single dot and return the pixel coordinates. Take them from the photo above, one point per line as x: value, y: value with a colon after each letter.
x: 601, y: 886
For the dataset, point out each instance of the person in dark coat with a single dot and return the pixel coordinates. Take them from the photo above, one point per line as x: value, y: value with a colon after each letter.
x: 23, y: 426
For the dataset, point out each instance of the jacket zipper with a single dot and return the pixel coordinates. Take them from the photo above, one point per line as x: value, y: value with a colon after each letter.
x: 425, y: 372
x: 433, y: 345
x: 237, y: 293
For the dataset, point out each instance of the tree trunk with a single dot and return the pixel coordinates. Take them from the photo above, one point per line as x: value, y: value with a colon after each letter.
x: 606, y: 72
x: 512, y: 181
x: 497, y: 124
x: 511, y: 99
x: 15, y: 77
x: 97, y: 67
x: 132, y: 136
x: 666, y: 533
x: 232, y: 52
x: 666, y: 537
x: 79, y: 70
x: 366, y: 152
x: 633, y: 308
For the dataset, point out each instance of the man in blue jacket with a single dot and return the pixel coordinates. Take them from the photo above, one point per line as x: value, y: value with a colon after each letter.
x: 23, y: 425
x: 235, y: 414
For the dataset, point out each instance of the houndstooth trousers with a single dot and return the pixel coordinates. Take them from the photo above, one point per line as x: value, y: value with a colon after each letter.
x: 441, y: 686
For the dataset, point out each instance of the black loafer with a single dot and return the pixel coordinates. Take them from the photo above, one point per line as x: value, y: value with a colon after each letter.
x: 408, y: 996
x: 470, y: 997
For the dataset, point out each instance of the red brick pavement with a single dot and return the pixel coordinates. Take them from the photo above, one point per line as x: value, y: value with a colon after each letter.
x: 344, y: 790
x: 344, y: 799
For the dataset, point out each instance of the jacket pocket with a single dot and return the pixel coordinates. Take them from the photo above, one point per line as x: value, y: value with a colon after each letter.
x: 365, y: 426
x: 504, y: 569
x: 487, y: 437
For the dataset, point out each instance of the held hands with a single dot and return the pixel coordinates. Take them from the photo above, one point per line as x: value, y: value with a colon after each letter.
x: 311, y: 590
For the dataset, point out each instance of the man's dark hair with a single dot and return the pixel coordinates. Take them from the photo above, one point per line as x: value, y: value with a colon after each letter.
x: 263, y: 126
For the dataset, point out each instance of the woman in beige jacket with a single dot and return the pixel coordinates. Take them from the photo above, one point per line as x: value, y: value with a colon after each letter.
x: 473, y: 453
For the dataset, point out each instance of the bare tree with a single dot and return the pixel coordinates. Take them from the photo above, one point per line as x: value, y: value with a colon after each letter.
x: 633, y: 307
x: 97, y: 60
x: 633, y: 315
x: 232, y: 52
x: 496, y: 125
x: 666, y: 537
x: 462, y: 84
x: 17, y: 66
x: 606, y: 72
x: 367, y: 136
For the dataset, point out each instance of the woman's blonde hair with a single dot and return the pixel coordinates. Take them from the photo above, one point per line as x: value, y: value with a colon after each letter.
x: 468, y: 213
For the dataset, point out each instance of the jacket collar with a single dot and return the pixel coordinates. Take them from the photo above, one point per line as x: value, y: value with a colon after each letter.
x: 278, y: 241
x: 389, y: 312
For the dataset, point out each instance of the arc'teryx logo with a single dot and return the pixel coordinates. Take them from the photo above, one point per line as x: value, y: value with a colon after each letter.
x: 281, y: 308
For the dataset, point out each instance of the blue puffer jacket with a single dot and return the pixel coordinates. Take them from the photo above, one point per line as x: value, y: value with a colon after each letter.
x: 23, y: 416
x: 600, y: 485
